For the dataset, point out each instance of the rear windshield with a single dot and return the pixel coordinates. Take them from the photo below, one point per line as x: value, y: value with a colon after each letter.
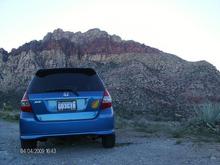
x: 65, y: 81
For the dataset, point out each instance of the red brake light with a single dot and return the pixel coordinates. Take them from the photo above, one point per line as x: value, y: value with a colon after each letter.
x: 25, y: 104
x: 106, y: 101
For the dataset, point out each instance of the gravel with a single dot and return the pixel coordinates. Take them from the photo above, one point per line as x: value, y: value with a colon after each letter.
x: 132, y: 148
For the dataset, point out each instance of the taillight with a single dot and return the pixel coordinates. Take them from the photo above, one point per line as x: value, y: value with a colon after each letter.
x: 25, y: 104
x: 106, y: 100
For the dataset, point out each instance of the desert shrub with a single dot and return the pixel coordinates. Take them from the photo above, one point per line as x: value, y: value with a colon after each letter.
x: 208, y: 113
x: 7, y: 107
x: 10, y: 98
x: 206, y: 120
x: 9, y: 112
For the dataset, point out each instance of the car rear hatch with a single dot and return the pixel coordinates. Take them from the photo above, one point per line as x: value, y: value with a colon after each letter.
x: 65, y: 94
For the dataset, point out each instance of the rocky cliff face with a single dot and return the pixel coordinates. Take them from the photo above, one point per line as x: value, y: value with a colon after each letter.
x: 141, y: 79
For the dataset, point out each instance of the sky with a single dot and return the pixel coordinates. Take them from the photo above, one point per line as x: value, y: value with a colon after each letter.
x: 189, y: 29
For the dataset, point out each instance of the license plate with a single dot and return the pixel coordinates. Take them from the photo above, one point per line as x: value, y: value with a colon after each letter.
x: 66, y: 105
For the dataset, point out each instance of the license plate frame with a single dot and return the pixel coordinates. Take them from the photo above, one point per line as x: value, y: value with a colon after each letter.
x: 66, y: 105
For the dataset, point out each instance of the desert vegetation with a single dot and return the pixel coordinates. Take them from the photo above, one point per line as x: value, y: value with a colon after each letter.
x: 204, y: 125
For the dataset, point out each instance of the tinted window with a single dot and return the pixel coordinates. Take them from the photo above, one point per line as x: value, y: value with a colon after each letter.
x: 69, y: 81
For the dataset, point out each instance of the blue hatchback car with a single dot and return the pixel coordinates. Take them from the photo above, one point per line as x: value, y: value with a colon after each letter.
x: 66, y: 102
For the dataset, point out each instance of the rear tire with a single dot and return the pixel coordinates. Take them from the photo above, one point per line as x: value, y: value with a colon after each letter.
x: 28, y: 144
x: 108, y: 141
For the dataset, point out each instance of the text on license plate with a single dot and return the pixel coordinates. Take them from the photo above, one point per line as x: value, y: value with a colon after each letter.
x: 66, y: 105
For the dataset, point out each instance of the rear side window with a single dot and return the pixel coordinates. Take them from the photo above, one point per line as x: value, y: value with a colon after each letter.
x: 69, y: 81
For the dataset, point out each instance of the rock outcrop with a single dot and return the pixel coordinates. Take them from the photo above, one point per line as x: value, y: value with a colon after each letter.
x: 141, y: 79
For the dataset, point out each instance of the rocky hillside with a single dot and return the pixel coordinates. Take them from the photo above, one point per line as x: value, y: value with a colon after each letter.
x: 142, y: 80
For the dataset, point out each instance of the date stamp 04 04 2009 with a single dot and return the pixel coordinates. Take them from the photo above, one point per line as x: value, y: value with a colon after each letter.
x: 38, y: 151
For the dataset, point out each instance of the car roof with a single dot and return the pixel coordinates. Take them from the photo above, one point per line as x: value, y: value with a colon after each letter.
x: 46, y: 72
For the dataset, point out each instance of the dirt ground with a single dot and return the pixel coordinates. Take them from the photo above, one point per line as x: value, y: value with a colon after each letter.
x: 132, y: 147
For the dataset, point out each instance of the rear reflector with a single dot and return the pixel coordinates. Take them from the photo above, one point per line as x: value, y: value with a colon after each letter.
x: 25, y: 104
x: 106, y: 101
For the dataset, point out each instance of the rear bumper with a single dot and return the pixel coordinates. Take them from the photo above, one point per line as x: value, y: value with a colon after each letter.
x: 31, y: 128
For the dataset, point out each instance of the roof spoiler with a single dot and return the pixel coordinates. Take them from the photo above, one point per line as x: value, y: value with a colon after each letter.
x: 46, y: 72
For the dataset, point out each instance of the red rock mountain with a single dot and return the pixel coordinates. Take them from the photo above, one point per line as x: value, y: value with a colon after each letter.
x: 92, y: 42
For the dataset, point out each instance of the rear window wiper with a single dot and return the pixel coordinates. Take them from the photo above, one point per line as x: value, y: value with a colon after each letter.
x: 62, y: 90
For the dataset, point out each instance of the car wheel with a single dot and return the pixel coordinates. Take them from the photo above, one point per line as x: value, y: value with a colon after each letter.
x: 108, y: 141
x: 28, y: 144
